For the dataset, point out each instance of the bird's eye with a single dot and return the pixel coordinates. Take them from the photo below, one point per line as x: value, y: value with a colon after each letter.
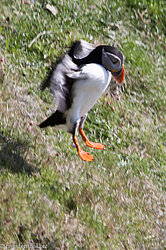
x: 115, y: 61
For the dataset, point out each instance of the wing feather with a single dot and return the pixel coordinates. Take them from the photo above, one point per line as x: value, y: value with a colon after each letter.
x: 62, y: 76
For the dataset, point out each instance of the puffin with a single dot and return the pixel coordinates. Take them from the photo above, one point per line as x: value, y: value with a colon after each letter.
x: 77, y: 81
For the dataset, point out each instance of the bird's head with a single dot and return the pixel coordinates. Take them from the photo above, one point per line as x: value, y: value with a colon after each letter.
x: 113, y: 60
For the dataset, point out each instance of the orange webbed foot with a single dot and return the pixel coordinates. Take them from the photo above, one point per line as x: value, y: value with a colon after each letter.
x: 85, y: 156
x: 89, y: 143
x: 94, y: 145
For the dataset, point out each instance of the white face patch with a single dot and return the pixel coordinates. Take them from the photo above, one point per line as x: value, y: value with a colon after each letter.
x: 110, y: 61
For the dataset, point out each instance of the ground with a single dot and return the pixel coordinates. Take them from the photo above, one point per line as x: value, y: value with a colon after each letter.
x: 49, y: 197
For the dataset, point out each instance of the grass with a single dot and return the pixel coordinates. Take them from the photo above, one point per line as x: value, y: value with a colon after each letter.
x: 49, y: 197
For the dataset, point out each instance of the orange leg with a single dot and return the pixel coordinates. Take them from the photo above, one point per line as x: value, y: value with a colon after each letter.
x: 84, y: 155
x: 91, y: 144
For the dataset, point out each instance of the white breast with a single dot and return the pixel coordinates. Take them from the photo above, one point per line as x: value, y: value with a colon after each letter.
x: 90, y: 84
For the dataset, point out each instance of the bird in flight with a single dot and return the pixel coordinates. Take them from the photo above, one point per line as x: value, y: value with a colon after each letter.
x: 77, y: 81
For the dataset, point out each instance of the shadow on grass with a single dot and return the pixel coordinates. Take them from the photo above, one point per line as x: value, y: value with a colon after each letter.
x: 13, y: 155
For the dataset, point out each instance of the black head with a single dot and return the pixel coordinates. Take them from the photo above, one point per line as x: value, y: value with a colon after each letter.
x: 113, y: 60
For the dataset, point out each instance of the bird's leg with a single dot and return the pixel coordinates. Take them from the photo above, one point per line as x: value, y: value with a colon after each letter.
x: 87, y: 142
x: 85, y: 156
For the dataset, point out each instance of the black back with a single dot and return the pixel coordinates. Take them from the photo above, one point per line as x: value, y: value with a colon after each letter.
x: 95, y: 55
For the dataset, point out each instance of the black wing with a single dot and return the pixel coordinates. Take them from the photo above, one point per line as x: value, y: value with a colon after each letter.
x: 58, y: 80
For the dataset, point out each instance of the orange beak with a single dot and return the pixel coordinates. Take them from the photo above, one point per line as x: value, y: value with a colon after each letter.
x: 121, y: 76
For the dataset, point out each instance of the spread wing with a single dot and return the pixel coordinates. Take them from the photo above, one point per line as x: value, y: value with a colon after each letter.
x: 60, y: 78
x: 60, y: 84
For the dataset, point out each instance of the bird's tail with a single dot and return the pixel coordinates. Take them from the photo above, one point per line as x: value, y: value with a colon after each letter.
x: 56, y: 118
